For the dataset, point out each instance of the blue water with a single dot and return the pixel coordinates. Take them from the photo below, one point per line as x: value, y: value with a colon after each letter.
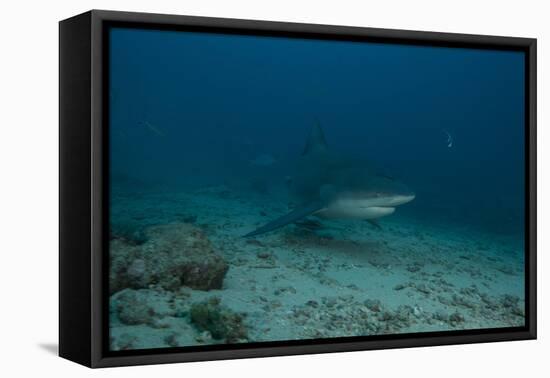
x: 195, y: 110
x: 218, y: 101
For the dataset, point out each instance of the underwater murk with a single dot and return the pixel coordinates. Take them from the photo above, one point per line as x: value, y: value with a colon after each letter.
x: 272, y: 189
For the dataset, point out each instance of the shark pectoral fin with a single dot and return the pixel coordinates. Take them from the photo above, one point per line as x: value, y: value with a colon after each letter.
x: 291, y: 217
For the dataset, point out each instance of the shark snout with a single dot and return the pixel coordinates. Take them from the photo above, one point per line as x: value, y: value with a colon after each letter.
x: 402, y: 199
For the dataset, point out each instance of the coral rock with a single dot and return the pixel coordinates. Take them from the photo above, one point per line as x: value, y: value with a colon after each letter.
x: 133, y: 309
x: 221, y: 322
x: 174, y: 255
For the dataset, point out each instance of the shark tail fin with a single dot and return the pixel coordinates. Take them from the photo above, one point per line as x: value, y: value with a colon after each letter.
x: 316, y: 142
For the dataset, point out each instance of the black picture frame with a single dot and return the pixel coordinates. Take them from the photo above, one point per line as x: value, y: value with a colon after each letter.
x: 83, y: 195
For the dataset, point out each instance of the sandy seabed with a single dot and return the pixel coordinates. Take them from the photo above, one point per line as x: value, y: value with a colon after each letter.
x: 313, y: 280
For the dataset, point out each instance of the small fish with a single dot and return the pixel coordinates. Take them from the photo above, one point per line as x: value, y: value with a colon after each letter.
x: 154, y: 129
x: 449, y: 138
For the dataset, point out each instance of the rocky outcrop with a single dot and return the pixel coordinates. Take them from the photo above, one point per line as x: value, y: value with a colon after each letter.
x: 133, y: 309
x: 174, y: 255
x: 219, y: 321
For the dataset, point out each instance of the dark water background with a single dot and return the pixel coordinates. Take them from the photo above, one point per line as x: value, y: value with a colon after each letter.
x: 191, y: 109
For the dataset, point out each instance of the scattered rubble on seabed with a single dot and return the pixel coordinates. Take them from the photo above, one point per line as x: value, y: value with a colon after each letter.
x: 186, y: 277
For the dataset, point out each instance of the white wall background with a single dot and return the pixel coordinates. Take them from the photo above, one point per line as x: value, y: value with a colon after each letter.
x: 29, y: 174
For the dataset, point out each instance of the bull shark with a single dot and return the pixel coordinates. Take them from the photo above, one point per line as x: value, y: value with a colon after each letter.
x: 330, y: 186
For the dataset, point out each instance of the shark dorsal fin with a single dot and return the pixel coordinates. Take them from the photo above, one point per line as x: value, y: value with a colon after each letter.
x: 316, y: 142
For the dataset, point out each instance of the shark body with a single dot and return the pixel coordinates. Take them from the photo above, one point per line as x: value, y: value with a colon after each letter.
x: 331, y: 186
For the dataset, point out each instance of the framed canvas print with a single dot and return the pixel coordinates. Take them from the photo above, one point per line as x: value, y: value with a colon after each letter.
x: 233, y: 188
